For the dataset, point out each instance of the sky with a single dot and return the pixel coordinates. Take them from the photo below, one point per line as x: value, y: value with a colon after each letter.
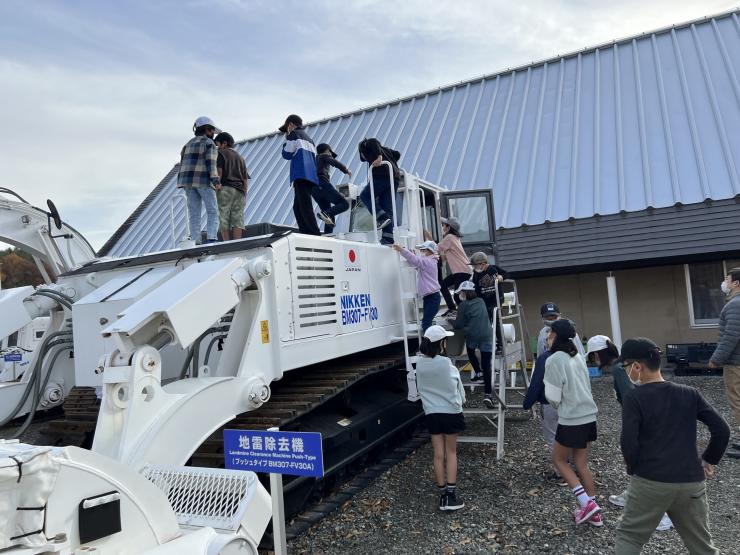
x: 98, y: 97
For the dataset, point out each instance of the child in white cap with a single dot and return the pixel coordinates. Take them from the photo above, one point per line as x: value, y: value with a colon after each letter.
x: 427, y: 284
x: 442, y: 395
x: 472, y: 317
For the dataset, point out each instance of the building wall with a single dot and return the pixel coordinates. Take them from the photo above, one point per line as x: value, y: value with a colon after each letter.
x: 653, y: 303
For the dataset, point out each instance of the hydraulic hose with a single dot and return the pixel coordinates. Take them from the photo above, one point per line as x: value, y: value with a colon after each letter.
x: 195, y: 347
x: 186, y: 364
x: 56, y: 292
x: 210, y: 346
x: 52, y: 296
x: 42, y: 352
x: 39, y: 392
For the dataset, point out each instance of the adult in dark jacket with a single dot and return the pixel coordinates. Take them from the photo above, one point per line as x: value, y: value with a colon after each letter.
x: 727, y: 353
x: 326, y: 196
x: 659, y: 446
x: 374, y: 153
x: 300, y: 150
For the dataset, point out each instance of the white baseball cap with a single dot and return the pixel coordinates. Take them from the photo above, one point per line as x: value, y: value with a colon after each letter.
x: 437, y: 333
x: 596, y: 343
x: 428, y: 246
x: 465, y: 286
x: 204, y: 120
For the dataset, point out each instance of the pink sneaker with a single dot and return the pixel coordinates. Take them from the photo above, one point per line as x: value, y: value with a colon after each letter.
x: 585, y: 514
x: 596, y: 520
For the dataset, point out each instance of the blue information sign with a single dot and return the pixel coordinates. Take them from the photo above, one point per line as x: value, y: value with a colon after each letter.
x: 13, y: 357
x: 296, y: 453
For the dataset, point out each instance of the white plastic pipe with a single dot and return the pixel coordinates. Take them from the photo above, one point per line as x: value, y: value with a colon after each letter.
x: 611, y: 287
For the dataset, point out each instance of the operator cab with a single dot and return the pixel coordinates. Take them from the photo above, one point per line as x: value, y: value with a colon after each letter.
x: 472, y: 207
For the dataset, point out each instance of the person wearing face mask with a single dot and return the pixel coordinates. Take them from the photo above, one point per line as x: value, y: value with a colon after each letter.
x: 727, y: 353
x: 548, y: 413
x: 568, y: 390
x: 550, y: 312
x: 606, y: 356
x: 658, y: 443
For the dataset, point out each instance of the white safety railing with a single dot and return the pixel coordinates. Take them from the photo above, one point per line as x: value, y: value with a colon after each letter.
x: 186, y: 234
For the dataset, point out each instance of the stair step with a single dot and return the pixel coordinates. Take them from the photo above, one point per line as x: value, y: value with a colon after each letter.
x: 477, y: 439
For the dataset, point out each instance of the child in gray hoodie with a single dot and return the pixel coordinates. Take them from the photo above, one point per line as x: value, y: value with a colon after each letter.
x: 442, y: 395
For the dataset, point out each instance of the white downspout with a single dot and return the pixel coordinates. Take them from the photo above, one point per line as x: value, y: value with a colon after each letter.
x: 611, y: 287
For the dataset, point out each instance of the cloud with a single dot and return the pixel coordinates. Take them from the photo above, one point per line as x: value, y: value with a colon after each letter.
x: 103, y: 94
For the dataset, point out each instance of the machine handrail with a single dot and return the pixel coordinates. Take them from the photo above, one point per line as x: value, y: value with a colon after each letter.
x: 173, y: 199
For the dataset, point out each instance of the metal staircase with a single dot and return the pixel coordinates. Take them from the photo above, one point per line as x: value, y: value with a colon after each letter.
x: 508, y: 388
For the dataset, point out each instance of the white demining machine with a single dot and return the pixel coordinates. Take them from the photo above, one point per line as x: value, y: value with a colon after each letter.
x: 312, y: 333
x: 56, y: 248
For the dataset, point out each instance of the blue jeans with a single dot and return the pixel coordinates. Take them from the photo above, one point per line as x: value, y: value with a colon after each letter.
x: 383, y: 205
x: 208, y: 196
x: 431, y: 306
x: 330, y: 202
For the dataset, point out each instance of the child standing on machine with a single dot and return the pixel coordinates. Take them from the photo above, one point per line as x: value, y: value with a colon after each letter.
x: 472, y: 317
x: 442, y: 395
x: 427, y: 284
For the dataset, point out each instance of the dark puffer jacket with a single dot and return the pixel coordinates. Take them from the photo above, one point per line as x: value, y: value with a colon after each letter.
x: 728, y: 346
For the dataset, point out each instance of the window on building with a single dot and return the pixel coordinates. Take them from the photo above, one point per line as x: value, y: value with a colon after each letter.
x: 703, y: 285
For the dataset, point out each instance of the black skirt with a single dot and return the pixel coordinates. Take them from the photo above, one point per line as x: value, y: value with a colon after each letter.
x: 576, y: 437
x: 442, y: 423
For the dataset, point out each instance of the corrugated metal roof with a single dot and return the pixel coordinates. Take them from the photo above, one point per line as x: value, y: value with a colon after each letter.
x: 646, y: 122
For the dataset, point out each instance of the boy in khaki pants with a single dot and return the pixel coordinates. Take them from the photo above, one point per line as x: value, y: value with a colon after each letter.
x: 659, y: 447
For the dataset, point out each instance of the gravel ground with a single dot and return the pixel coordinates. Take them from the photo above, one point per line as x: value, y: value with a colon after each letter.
x: 510, y: 508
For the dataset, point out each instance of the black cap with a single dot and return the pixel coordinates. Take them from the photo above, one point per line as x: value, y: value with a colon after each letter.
x: 640, y: 348
x: 324, y: 147
x: 549, y: 309
x: 292, y: 118
x: 564, y: 328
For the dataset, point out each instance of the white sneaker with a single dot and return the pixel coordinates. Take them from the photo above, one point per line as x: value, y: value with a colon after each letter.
x: 665, y: 524
x: 618, y: 500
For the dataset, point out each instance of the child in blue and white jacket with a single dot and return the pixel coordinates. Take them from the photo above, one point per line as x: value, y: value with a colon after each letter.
x: 299, y: 148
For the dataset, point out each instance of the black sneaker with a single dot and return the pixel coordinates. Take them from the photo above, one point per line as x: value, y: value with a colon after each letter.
x: 477, y: 378
x: 383, y: 222
x: 451, y: 313
x: 443, y: 502
x: 488, y: 401
x: 324, y: 217
x: 452, y: 502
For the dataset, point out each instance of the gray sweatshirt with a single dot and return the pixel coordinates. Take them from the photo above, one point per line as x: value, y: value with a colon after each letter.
x: 439, y: 385
x: 568, y: 389
x: 728, y: 346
